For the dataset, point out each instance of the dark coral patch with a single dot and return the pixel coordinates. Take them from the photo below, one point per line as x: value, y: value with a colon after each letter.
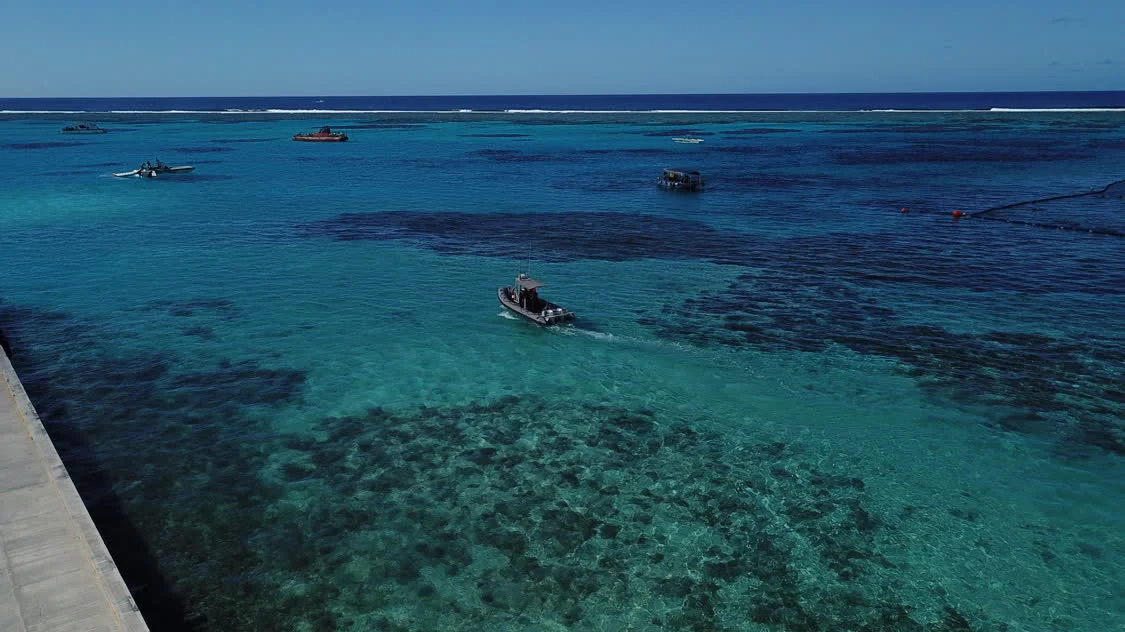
x: 75, y: 172
x: 954, y: 153
x: 201, y: 332
x: 194, y: 426
x: 819, y: 263
x: 550, y: 511
x: 221, y: 308
x: 512, y: 156
x: 203, y: 150
x: 43, y: 145
x: 495, y: 135
x: 239, y: 141
x: 1045, y: 386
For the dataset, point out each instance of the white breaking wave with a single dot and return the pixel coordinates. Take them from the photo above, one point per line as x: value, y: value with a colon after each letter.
x: 1057, y: 110
x: 240, y: 112
x: 718, y: 111
x: 513, y: 111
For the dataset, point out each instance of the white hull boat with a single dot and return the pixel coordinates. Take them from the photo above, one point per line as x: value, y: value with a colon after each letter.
x: 151, y: 171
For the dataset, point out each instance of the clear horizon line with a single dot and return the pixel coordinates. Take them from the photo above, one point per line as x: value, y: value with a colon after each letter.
x: 572, y: 94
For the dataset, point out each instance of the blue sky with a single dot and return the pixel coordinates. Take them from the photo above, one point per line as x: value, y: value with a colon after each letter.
x: 351, y: 47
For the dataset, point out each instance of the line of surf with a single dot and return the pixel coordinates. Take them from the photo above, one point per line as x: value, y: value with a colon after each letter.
x: 240, y: 112
x: 1057, y: 110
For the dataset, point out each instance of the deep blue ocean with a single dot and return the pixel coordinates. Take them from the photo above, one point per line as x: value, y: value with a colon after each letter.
x: 807, y: 398
x: 597, y: 103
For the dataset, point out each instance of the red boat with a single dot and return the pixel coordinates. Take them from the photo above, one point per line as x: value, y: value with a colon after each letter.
x: 325, y: 135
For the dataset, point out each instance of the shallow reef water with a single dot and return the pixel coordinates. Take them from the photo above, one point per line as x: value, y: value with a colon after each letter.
x: 285, y: 391
x: 509, y: 513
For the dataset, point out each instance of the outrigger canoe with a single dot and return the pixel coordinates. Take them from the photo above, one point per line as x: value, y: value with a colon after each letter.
x: 149, y: 171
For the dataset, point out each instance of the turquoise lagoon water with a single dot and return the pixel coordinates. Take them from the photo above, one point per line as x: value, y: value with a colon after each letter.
x: 286, y: 391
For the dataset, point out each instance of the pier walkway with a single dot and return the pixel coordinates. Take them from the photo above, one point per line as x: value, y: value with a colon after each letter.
x: 55, y: 572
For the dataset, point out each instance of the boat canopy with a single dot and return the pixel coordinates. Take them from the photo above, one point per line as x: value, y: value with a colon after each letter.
x: 529, y: 283
x: 682, y: 172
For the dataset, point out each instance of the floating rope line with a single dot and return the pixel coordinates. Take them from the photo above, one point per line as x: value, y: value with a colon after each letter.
x: 1116, y: 189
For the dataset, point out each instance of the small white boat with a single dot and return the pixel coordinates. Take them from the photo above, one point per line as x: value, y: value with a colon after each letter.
x: 143, y: 173
x: 149, y: 170
x: 687, y: 140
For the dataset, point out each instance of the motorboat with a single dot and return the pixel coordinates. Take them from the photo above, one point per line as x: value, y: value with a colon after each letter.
x: 681, y: 180
x: 83, y: 128
x: 324, y: 135
x: 687, y: 140
x: 149, y: 170
x: 522, y: 298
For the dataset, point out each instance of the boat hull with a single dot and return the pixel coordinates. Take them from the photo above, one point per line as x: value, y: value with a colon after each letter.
x: 679, y: 186
x: 544, y: 318
x: 150, y: 173
x: 321, y: 139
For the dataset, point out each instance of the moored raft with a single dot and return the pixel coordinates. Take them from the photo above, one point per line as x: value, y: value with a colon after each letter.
x: 83, y: 128
x: 681, y: 180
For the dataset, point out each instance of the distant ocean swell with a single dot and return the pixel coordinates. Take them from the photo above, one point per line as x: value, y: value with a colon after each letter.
x: 580, y: 104
x: 236, y: 111
x: 284, y: 392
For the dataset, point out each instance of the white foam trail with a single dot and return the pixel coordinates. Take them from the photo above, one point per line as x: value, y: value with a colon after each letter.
x: 597, y: 335
x: 319, y: 111
x: 507, y: 315
x: 1057, y: 110
x: 982, y: 111
x: 714, y: 111
x: 512, y: 111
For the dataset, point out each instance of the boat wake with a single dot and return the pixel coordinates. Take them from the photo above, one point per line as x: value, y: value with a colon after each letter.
x: 573, y: 330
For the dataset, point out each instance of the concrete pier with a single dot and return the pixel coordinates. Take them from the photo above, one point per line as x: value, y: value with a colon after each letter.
x: 55, y: 572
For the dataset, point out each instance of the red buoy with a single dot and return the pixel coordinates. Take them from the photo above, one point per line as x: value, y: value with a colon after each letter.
x: 958, y: 214
x: 905, y: 210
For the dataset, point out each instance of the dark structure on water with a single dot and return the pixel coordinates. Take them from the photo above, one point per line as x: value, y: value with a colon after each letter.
x: 681, y: 180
